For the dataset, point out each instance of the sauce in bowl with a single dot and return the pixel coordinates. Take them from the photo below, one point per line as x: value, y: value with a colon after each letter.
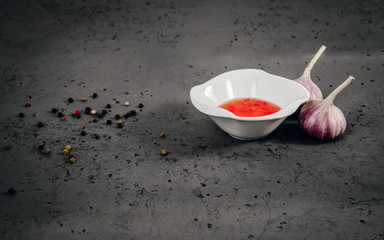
x: 250, y: 107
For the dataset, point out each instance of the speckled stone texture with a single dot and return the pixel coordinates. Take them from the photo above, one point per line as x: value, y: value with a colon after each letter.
x: 209, y: 185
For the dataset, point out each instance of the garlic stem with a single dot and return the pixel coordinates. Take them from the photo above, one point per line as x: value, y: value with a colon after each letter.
x: 331, y: 97
x: 315, y: 58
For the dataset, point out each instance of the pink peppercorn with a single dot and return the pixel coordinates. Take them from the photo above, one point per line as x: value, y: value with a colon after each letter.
x: 27, y: 104
x: 77, y: 112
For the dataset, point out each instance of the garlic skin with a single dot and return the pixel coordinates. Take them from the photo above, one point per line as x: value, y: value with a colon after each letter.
x: 305, y: 78
x: 321, y: 119
x: 313, y: 89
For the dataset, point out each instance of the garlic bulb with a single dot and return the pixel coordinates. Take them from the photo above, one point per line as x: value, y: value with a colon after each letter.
x: 321, y: 119
x: 305, y: 78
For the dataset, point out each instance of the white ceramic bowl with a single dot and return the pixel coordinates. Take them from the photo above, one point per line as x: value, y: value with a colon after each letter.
x: 244, y: 83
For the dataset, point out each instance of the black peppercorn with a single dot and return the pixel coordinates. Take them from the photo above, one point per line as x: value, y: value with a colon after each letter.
x: 119, y: 125
x: 78, y: 116
x: 40, y: 147
x: 40, y: 124
x: 97, y: 136
x: 83, y: 133
x: 60, y: 114
x: 104, y: 111
x: 70, y: 100
x: 88, y: 110
x: 12, y: 191
x: 95, y: 95
x: 109, y: 122
x: 133, y: 113
x: 54, y: 110
x: 126, y: 115
x: 117, y: 116
x: 108, y: 106
x: 21, y: 114
x: 100, y: 114
x: 141, y: 105
x: 94, y: 120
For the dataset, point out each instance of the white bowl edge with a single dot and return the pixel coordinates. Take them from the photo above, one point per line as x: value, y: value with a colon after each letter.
x: 215, y: 111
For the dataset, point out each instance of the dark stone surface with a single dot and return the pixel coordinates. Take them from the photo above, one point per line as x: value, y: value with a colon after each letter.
x: 209, y: 185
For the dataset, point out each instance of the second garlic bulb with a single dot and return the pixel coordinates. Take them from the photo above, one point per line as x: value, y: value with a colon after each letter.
x: 305, y: 78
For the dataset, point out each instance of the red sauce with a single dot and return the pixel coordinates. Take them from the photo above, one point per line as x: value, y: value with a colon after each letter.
x: 250, y: 107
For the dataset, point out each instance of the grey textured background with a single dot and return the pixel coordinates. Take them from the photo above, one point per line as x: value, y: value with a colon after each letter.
x: 209, y: 186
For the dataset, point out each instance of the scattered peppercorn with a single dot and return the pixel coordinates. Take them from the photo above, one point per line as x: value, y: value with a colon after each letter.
x: 73, y: 114
x: 141, y: 105
x: 88, y: 110
x: 77, y: 112
x: 126, y: 104
x: 162, y: 134
x: 97, y: 136
x: 83, y: 133
x: 104, y: 111
x: 95, y: 95
x: 108, y: 106
x: 126, y: 115
x: 65, y: 151
x: 119, y: 122
x: 133, y: 113
x: 83, y: 99
x: 47, y: 151
x: 93, y: 112
x: 117, y: 116
x: 68, y: 147
x: 164, y: 152
x: 78, y: 116
x: 40, y: 124
x: 109, y: 122
x: 100, y: 114
x: 63, y: 118
x: 7, y: 146
x: 40, y: 147
x: 27, y: 104
x: 60, y: 114
x: 54, y: 110
x: 12, y: 191
x: 95, y: 120
x: 72, y: 160
x: 21, y: 114
x: 70, y: 100
x: 70, y: 156
x: 119, y: 125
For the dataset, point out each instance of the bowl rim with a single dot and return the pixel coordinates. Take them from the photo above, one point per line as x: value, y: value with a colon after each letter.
x: 215, y: 111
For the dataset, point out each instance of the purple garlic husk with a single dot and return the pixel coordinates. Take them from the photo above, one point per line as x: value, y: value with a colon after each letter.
x: 306, y: 81
x: 313, y: 89
x: 321, y: 119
